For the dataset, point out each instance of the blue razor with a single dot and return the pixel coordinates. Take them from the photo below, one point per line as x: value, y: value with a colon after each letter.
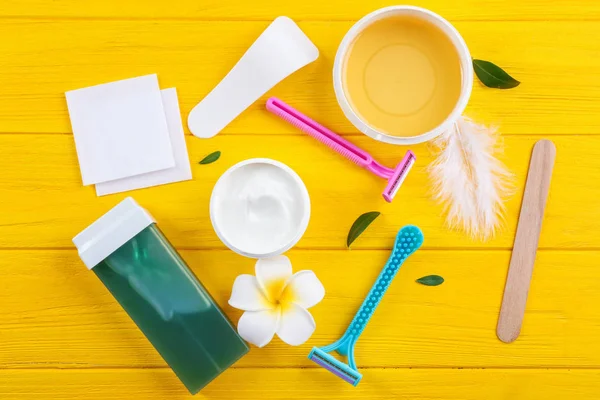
x: 408, y: 240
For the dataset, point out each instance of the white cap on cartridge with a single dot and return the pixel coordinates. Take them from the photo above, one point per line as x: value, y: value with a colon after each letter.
x: 111, y: 231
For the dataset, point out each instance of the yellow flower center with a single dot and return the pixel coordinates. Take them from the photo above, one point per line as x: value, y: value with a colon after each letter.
x: 278, y: 294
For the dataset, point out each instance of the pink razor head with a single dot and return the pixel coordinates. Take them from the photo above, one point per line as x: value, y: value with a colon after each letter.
x: 398, y: 176
x: 395, y: 176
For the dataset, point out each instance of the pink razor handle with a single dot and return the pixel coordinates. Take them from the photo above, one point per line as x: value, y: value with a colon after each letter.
x: 394, y: 177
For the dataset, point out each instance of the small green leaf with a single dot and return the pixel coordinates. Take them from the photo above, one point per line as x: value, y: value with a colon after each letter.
x: 211, y: 158
x: 360, y: 225
x: 431, y: 280
x: 493, y: 76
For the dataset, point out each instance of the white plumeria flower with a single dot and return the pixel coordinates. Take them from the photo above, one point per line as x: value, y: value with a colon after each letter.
x: 275, y: 301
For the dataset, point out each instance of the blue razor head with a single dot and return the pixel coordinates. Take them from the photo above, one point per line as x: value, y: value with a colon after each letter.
x: 335, y: 366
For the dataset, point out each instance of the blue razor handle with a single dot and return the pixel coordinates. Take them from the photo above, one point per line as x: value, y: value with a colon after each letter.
x: 408, y: 240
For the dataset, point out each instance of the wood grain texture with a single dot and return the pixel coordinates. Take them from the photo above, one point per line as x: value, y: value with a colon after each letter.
x: 286, y: 384
x: 63, y: 336
x: 493, y: 10
x: 34, y: 167
x: 56, y: 314
x: 537, y: 189
x: 45, y: 58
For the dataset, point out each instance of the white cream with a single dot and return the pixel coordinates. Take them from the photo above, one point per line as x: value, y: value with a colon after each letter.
x: 260, y: 208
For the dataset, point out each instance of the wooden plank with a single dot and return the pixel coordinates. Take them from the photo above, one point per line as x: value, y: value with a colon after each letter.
x: 45, y: 58
x: 57, y: 314
x: 269, y: 9
x: 285, y: 384
x: 44, y: 204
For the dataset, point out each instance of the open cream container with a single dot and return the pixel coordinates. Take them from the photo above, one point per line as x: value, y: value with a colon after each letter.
x: 260, y: 208
x: 466, y: 71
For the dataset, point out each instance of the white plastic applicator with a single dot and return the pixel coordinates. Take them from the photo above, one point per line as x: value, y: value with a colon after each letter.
x: 278, y: 52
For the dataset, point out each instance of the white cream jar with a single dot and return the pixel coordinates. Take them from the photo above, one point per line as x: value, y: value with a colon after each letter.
x: 260, y: 208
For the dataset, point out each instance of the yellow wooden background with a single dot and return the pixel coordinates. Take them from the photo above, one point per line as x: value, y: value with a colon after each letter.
x: 63, y: 336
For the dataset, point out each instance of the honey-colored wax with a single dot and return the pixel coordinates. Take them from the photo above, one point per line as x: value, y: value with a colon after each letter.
x: 402, y: 76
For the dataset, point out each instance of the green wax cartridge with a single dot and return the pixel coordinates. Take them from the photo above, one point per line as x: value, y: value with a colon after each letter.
x: 141, y: 269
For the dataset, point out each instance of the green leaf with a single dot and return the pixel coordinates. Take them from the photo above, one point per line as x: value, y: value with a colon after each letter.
x: 493, y: 76
x: 211, y: 158
x: 431, y: 280
x: 360, y: 225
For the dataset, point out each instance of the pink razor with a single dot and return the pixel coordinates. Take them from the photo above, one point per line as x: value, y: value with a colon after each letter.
x: 394, y: 177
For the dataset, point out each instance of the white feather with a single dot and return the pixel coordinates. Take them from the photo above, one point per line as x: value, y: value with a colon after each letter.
x: 469, y: 180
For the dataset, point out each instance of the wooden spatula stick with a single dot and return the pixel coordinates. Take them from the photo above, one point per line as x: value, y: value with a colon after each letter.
x: 526, y: 241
